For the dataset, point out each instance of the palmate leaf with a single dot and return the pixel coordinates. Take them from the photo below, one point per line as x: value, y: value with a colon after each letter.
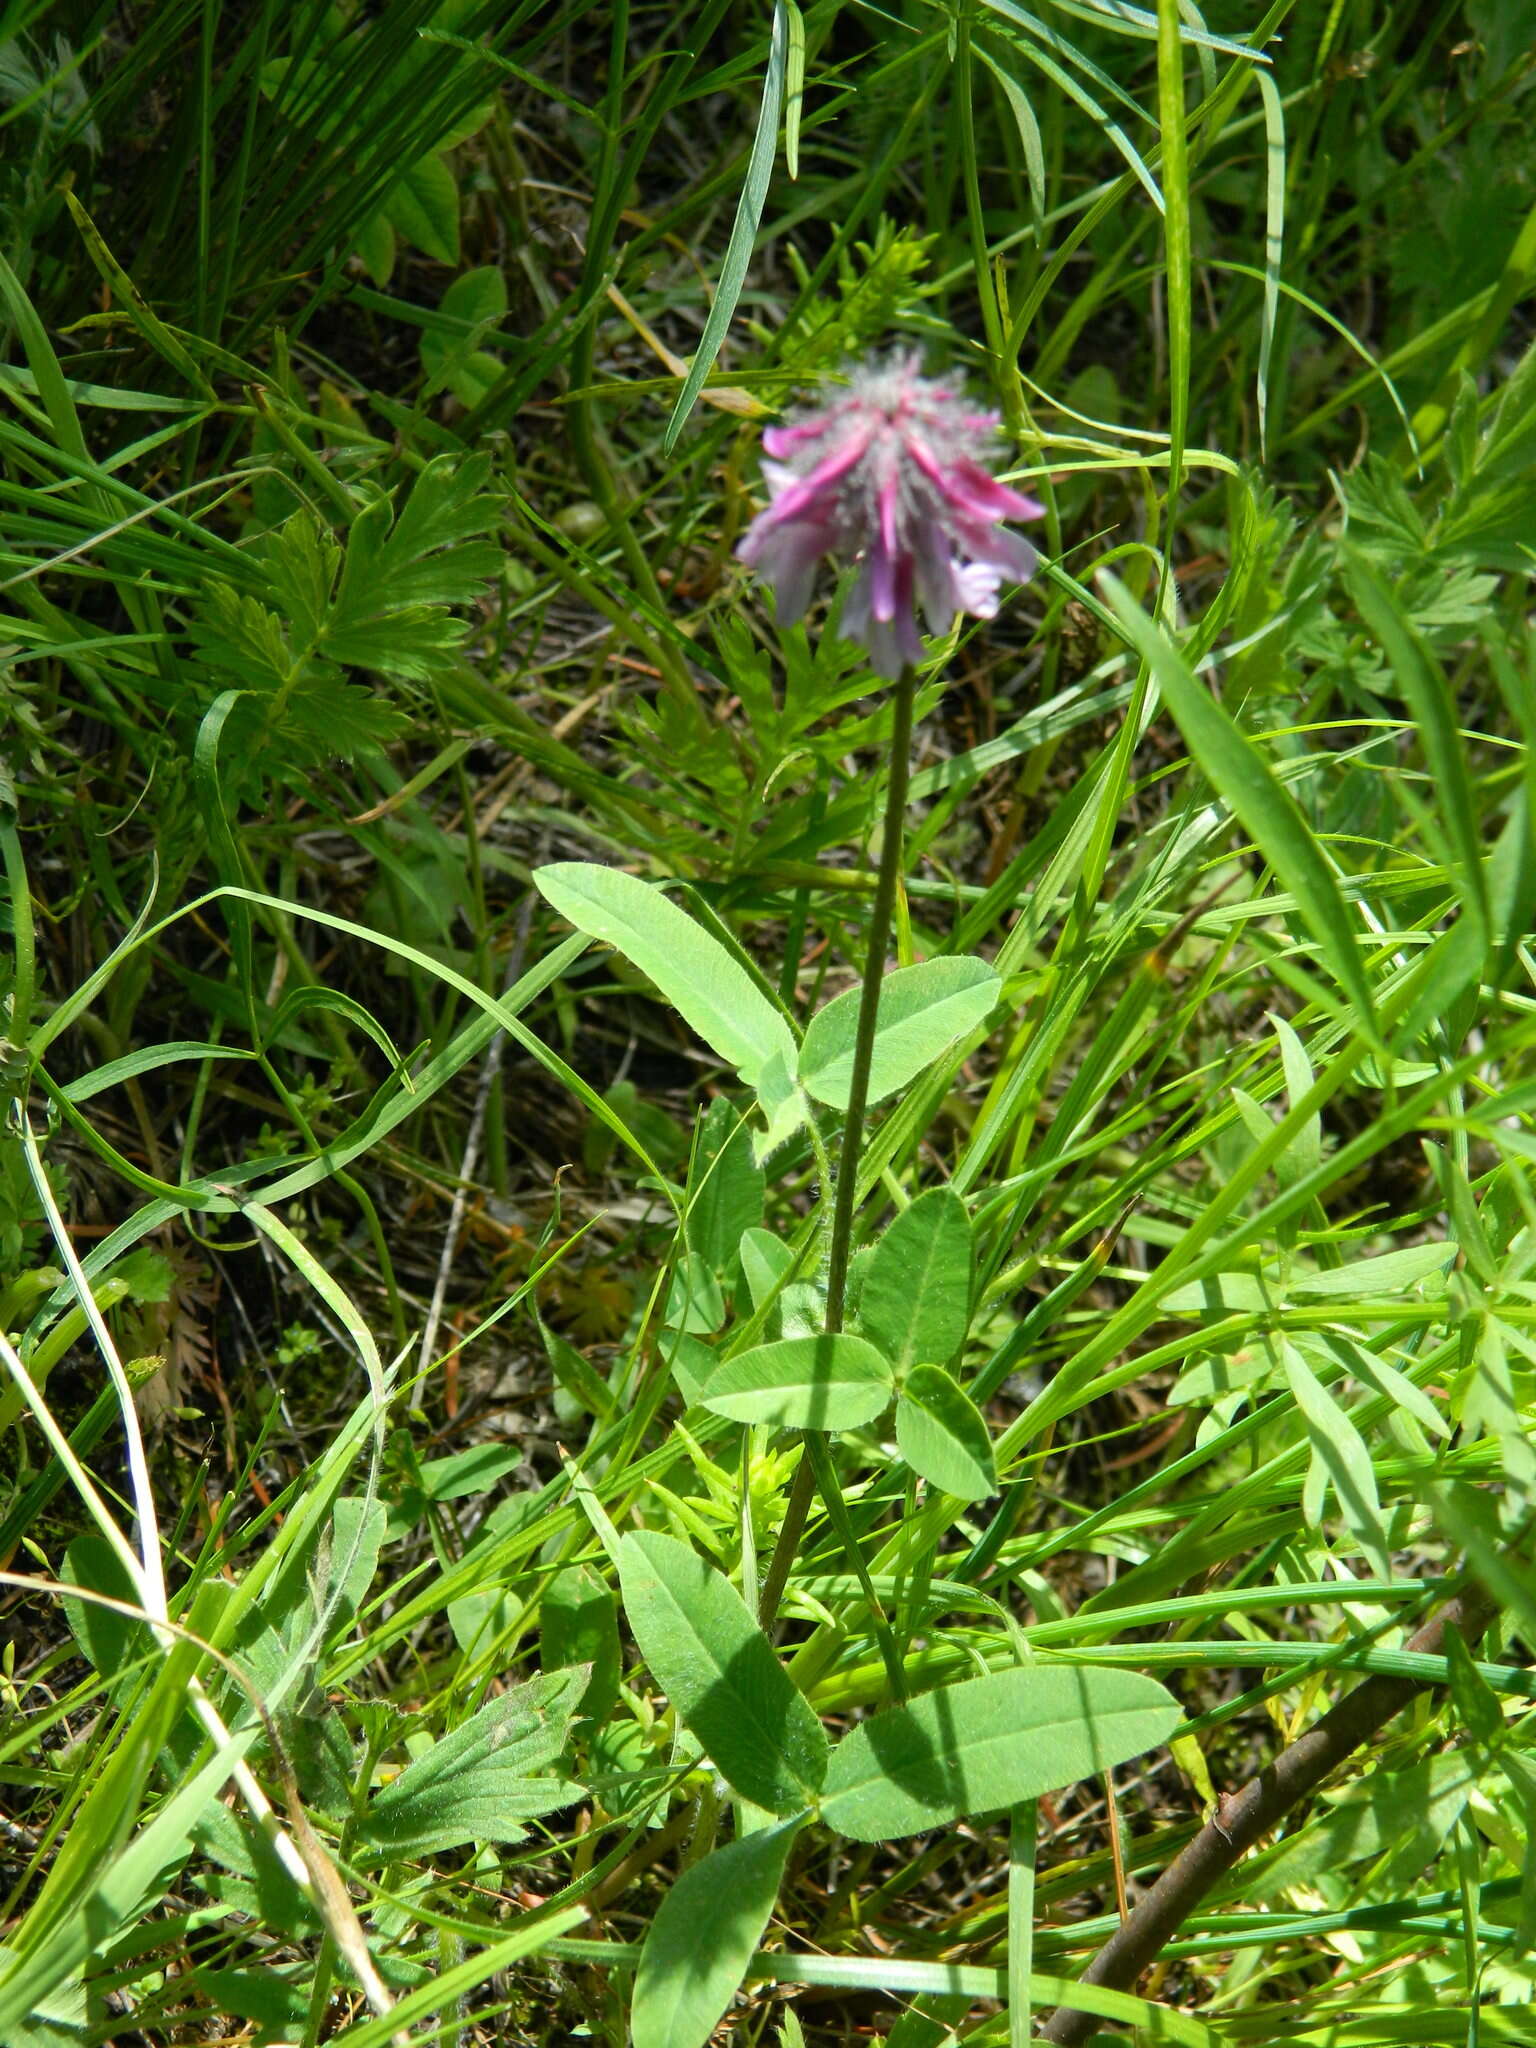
x: 384, y: 600
x: 391, y: 610
x: 243, y: 637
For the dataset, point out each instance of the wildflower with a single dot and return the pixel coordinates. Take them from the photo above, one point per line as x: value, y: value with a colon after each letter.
x: 889, y: 475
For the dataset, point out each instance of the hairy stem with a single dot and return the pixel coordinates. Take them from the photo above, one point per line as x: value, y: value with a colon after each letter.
x: 798, y: 1505
x: 869, y: 1000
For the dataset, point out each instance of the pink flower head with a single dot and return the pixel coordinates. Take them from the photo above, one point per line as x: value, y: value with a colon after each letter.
x: 889, y: 475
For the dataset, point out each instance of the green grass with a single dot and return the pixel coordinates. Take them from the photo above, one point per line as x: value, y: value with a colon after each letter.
x: 379, y: 405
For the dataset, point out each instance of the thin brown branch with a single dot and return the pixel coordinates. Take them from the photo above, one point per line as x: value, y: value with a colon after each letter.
x: 1244, y: 1816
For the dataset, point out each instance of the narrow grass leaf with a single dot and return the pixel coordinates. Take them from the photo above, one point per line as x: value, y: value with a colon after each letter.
x: 708, y: 1655
x: 132, y: 301
x: 1274, y: 234
x: 1060, y: 76
x: 149, y: 1059
x: 1029, y: 140
x: 794, y: 87
x: 1340, y: 1460
x: 749, y: 212
x: 1234, y: 767
x: 1176, y: 242
x: 1434, y: 711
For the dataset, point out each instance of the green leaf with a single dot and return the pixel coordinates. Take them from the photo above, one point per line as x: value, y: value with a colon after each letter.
x: 749, y: 211
x: 60, y: 2020
x: 988, y: 1743
x: 110, y: 1640
x: 579, y: 1380
x: 915, y: 1296
x: 1475, y: 1699
x: 424, y: 209
x: 1380, y: 1278
x: 690, y: 1361
x: 473, y: 305
x: 707, y: 1653
x: 923, y: 1010
x: 1434, y: 713
x: 943, y: 1436
x: 694, y: 1301
x: 404, y: 568
x: 1306, y: 1149
x: 702, y: 1939
x: 725, y: 1188
x: 820, y: 1382
x: 1238, y: 772
x: 472, y: 1471
x: 579, y: 1625
x: 780, y: 1098
x: 711, y: 991
x: 1340, y: 1459
x: 765, y: 1259
x: 1386, y: 1379
x: 375, y: 244
x: 1411, y: 1810
x: 475, y: 1784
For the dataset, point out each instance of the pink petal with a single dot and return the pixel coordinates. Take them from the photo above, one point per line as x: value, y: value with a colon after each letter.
x: 967, y: 487
x: 882, y: 580
x: 998, y: 548
x: 795, y: 502
x: 785, y: 555
x: 935, y: 578
x: 1001, y: 501
x: 783, y: 441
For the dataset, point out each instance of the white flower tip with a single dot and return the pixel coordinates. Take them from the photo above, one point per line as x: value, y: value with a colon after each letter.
x: 976, y: 589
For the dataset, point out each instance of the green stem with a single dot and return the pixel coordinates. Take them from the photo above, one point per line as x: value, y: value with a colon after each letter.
x: 23, y: 944
x: 819, y: 1457
x: 869, y: 1001
x: 798, y: 1504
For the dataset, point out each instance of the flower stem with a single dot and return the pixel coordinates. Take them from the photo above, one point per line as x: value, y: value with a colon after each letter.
x: 846, y: 1197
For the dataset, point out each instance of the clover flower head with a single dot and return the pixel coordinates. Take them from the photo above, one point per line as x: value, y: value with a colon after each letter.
x: 889, y: 475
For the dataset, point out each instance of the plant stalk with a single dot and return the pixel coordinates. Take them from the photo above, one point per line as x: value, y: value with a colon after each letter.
x: 846, y: 1195
x: 1242, y: 1817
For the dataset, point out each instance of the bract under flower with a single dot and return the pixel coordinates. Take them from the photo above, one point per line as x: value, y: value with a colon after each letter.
x: 889, y: 475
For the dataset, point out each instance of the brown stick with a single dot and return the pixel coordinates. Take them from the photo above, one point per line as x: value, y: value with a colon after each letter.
x: 1244, y: 1816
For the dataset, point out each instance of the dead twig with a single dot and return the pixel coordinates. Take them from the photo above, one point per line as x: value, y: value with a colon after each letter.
x: 1244, y: 1816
